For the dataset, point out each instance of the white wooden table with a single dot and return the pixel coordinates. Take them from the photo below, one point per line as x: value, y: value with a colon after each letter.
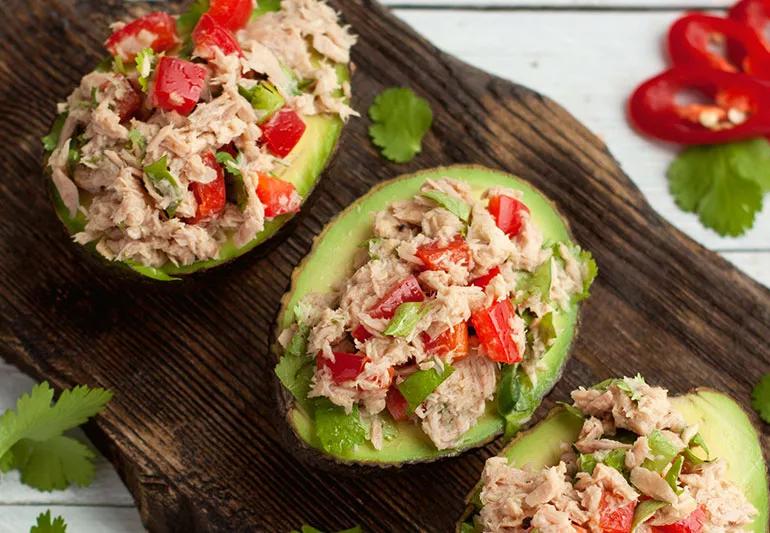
x: 586, y: 54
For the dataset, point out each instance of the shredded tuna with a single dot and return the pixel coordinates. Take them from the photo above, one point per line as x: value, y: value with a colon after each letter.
x: 563, y: 497
x: 130, y: 218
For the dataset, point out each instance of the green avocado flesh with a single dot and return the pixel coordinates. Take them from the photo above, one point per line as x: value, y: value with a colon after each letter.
x: 725, y: 428
x: 330, y: 262
x: 306, y: 163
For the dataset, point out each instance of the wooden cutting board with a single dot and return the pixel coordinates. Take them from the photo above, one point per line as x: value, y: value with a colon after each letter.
x: 193, y: 429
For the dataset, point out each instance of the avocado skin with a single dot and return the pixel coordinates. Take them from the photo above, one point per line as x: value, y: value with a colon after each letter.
x: 356, y: 230
x: 316, y: 150
x: 724, y: 425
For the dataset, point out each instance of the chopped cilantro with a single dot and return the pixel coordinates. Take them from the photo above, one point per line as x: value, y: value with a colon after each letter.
x: 454, y: 205
x: 118, y: 66
x: 51, y: 141
x: 586, y: 462
x: 137, y: 140
x: 723, y: 184
x: 144, y: 63
x: 760, y: 399
x: 231, y: 164
x: 400, y: 121
x: 32, y: 440
x: 46, y: 524
x: 164, y: 182
x: 265, y: 6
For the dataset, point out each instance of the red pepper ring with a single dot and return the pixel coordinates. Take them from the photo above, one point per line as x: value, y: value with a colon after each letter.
x: 755, y: 14
x: 691, y: 36
x: 741, y: 105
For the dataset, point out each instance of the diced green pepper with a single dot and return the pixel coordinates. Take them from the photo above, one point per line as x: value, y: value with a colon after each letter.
x: 421, y: 384
x: 644, y: 511
x: 264, y: 98
x: 586, y: 462
x: 337, y: 431
x: 405, y: 319
x: 698, y: 441
x: 661, y: 450
x: 616, y: 459
x: 672, y: 476
x: 265, y: 6
x: 236, y: 184
x: 508, y: 390
x: 164, y: 182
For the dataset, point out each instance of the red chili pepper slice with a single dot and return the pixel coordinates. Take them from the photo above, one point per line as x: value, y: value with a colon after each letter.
x: 617, y: 520
x: 740, y: 110
x: 454, y: 340
x: 282, y: 132
x: 483, y: 281
x: 346, y: 366
x: 209, y: 34
x: 155, y: 30
x: 691, y: 524
x: 397, y: 405
x: 406, y: 290
x: 232, y: 14
x: 508, y: 213
x: 279, y: 197
x: 493, y: 328
x: 212, y: 196
x: 178, y: 85
x: 437, y: 257
x: 692, y: 37
x: 755, y: 14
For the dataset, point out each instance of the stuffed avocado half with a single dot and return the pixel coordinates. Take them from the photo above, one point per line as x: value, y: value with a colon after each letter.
x: 625, y: 457
x: 202, y: 135
x: 431, y: 315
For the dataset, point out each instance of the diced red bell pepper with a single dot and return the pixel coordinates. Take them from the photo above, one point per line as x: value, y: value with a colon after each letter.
x: 483, y: 281
x: 361, y: 333
x: 755, y: 14
x: 279, y: 197
x: 437, y: 257
x: 209, y: 34
x: 178, y: 85
x: 282, y: 132
x: 212, y: 196
x: 346, y: 366
x: 654, y: 109
x: 397, y: 405
x: 232, y: 14
x: 454, y: 340
x: 493, y: 328
x: 508, y: 213
x: 691, y: 39
x: 406, y: 290
x: 691, y: 524
x: 616, y: 519
x: 155, y: 30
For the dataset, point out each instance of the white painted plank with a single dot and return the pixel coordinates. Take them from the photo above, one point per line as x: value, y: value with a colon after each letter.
x: 589, y: 62
x: 19, y: 518
x: 755, y: 264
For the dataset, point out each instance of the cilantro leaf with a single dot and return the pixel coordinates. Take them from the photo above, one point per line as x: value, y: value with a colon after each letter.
x: 454, y: 205
x: 265, y: 6
x: 723, y: 184
x: 31, y: 437
x: 47, y: 525
x: 400, y: 121
x: 295, y: 368
x: 760, y: 398
x: 137, y: 140
x: 144, y: 64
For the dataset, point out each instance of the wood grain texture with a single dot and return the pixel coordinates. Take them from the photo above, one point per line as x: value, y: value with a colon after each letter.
x: 193, y: 429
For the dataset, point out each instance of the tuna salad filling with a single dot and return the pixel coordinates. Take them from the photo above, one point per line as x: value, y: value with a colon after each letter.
x: 452, y: 292
x: 636, y: 466
x: 175, y: 146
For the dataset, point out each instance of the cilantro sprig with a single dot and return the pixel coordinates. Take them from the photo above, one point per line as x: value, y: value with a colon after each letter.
x: 32, y: 437
x: 760, y: 398
x: 723, y: 184
x: 400, y: 121
x: 46, y: 524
